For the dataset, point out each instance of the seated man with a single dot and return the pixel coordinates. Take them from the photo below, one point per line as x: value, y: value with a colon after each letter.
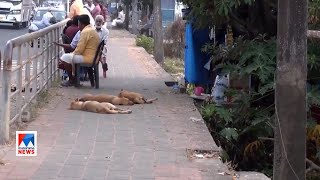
x: 120, y: 19
x: 73, y: 43
x: 73, y: 33
x: 72, y: 30
x: 85, y: 50
x: 103, y: 34
x: 46, y: 18
x: 146, y: 27
x: 69, y: 23
x: 68, y: 48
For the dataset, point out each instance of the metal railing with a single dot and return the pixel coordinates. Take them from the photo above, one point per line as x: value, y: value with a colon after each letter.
x: 29, y: 66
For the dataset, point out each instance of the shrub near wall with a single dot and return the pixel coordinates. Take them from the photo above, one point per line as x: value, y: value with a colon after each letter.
x: 146, y: 42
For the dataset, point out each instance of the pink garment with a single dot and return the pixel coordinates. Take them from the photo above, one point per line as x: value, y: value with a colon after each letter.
x: 96, y: 11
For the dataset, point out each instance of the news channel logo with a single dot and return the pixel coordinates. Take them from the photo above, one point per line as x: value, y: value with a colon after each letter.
x: 26, y: 143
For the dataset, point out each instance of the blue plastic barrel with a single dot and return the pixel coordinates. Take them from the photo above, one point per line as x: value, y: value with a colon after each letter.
x: 195, y: 60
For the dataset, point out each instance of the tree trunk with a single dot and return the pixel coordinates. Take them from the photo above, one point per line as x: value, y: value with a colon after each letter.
x: 126, y: 20
x: 290, y: 97
x: 157, y: 32
x: 135, y: 17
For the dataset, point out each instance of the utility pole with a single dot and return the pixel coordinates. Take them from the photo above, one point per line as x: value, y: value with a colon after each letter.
x: 157, y: 32
x: 290, y: 92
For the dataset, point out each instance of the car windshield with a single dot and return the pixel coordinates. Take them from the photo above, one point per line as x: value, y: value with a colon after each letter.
x: 14, y: 2
x: 59, y: 15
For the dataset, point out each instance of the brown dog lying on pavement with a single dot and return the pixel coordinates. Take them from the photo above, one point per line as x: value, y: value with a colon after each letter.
x: 137, y: 98
x: 96, y: 107
x: 106, y: 98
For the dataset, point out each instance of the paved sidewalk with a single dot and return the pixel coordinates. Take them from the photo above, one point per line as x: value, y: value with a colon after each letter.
x: 148, y: 144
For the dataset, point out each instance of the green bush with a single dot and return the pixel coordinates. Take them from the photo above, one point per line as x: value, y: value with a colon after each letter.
x: 145, y: 42
x: 244, y: 128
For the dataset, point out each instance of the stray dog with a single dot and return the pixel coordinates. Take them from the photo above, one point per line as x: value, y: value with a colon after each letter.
x: 137, y: 98
x: 96, y: 107
x: 106, y: 98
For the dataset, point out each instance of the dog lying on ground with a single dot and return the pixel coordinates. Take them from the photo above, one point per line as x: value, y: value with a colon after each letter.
x: 137, y: 98
x: 97, y: 107
x: 106, y: 98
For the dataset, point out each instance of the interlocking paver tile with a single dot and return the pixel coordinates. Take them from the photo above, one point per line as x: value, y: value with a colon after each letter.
x: 119, y: 175
x: 148, y: 144
x: 96, y: 163
x: 71, y: 171
x: 80, y: 160
x: 95, y: 173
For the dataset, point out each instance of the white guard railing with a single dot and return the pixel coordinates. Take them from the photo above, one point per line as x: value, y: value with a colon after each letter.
x: 29, y: 66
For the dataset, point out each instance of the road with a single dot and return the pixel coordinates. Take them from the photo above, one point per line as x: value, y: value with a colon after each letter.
x: 7, y: 33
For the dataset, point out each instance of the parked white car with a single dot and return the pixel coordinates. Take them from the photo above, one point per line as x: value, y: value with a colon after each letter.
x: 16, y: 13
x: 36, y: 23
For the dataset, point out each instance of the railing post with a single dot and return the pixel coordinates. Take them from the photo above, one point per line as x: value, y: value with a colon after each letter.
x: 51, y: 57
x: 47, y: 61
x: 42, y: 64
x: 2, y: 125
x: 19, y: 82
x: 45, y: 54
x: 5, y: 98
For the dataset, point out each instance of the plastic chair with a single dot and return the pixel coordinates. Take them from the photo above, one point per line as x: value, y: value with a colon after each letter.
x: 93, y: 69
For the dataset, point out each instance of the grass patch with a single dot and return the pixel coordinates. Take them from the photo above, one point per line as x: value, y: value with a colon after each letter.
x: 173, y: 65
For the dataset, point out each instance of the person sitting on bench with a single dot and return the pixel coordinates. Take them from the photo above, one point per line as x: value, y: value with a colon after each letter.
x: 120, y: 19
x: 85, y: 50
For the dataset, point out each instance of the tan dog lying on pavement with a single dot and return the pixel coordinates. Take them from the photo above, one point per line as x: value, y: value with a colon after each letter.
x: 137, y: 98
x: 106, y: 98
x: 96, y: 107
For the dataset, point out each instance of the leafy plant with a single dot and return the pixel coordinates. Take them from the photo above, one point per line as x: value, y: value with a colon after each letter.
x: 190, y: 88
x: 245, y: 128
x: 146, y: 42
x: 253, y: 55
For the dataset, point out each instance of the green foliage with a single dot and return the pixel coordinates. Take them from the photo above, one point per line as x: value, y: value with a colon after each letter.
x: 248, y: 17
x: 238, y: 128
x: 243, y: 128
x: 314, y: 13
x: 146, y: 42
x: 255, y: 57
x: 190, y: 89
x: 229, y: 133
x: 173, y: 65
x: 210, y: 110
